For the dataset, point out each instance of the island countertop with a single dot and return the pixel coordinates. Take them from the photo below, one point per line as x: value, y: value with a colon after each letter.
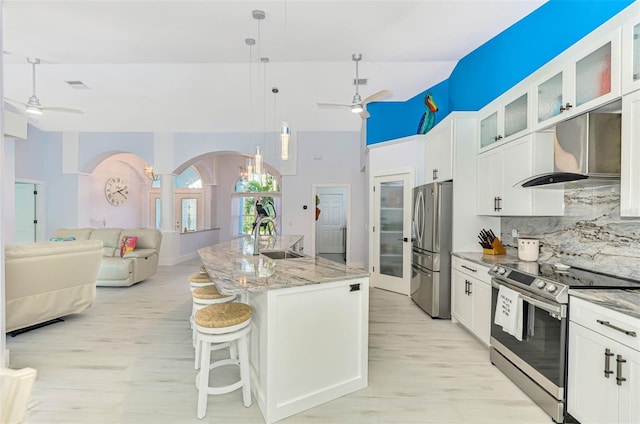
x: 234, y: 267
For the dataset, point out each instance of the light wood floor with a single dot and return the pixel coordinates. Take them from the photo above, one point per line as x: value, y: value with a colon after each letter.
x: 129, y: 359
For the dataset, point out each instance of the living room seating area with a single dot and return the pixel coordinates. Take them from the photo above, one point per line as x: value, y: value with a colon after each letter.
x: 121, y: 265
x: 46, y: 281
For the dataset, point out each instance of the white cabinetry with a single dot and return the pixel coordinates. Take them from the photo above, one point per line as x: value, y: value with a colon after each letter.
x: 631, y: 55
x: 439, y: 149
x: 309, y: 345
x: 630, y: 155
x: 504, y: 120
x: 583, y: 80
x: 604, y: 365
x: 501, y: 169
x: 498, y: 171
x: 471, y: 297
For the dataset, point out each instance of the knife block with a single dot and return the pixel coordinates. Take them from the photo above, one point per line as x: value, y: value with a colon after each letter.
x: 496, y: 248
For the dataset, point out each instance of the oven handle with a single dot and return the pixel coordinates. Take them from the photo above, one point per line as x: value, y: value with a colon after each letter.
x: 559, y: 311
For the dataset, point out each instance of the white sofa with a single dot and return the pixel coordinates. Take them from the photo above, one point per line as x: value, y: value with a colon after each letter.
x: 49, y: 280
x: 115, y: 270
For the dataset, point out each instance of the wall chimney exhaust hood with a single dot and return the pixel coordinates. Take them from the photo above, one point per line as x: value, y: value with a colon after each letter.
x: 586, y: 151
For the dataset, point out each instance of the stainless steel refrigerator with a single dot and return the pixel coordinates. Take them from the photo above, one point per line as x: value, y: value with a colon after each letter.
x: 431, y: 256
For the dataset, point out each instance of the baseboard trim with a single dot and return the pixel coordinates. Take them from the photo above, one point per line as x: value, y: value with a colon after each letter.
x: 177, y: 260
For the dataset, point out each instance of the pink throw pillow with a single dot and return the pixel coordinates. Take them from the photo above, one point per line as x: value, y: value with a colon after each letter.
x: 128, y: 244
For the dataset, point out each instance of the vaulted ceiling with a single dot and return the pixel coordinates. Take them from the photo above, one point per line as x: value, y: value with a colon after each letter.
x: 184, y: 66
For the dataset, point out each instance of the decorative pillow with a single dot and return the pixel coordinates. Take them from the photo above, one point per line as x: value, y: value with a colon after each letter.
x: 128, y: 244
x: 62, y: 238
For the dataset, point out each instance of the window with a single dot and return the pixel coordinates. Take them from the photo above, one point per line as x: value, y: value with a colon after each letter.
x: 250, y: 191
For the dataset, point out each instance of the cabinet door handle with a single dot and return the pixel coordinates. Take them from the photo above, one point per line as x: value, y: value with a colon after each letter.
x: 607, y: 363
x: 622, y: 330
x: 566, y: 107
x: 498, y: 137
x: 497, y: 204
x: 435, y: 174
x: 470, y: 269
x: 619, y: 377
x: 466, y: 286
x: 469, y: 289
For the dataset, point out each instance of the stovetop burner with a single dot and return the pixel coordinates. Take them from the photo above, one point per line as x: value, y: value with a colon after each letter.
x: 547, y: 281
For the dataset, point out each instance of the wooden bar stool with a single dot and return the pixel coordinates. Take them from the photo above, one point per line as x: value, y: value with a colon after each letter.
x: 223, y: 323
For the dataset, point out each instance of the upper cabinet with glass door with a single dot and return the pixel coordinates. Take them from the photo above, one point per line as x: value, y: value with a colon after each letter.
x: 591, y: 78
x: 631, y: 56
x: 504, y: 120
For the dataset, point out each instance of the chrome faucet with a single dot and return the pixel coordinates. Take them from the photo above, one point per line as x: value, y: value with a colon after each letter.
x: 256, y: 232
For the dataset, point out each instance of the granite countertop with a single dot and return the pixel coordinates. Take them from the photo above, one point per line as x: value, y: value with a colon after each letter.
x: 487, y: 260
x: 623, y: 301
x: 235, y: 268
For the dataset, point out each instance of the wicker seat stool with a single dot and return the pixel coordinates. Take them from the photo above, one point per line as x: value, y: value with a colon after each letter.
x: 222, y: 323
x: 205, y: 296
x: 200, y: 279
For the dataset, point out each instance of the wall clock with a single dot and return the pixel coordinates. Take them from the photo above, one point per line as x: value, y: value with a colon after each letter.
x: 116, y: 191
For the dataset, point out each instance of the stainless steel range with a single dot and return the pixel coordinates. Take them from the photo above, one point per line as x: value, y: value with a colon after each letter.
x: 536, y: 360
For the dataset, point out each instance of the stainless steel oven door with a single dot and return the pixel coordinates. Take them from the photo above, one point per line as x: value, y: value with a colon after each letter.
x: 541, y: 354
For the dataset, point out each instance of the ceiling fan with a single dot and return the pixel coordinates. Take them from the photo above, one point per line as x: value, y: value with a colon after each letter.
x: 357, y: 104
x: 33, y: 105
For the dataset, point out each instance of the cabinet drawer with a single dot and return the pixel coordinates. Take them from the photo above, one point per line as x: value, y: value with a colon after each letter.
x: 472, y: 269
x: 617, y: 326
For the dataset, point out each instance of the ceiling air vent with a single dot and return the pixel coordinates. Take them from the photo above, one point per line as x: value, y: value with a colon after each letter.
x: 360, y: 81
x: 77, y: 85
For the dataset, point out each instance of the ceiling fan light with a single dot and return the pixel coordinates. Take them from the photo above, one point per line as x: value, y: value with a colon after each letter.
x: 34, y: 110
x: 357, y: 108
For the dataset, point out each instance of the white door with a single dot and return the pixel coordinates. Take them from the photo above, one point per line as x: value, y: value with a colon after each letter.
x: 391, y: 230
x: 332, y: 221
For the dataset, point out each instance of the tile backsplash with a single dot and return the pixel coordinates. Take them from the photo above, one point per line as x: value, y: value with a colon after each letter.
x: 590, y: 235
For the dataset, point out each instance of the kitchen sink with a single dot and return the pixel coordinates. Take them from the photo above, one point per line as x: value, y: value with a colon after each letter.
x: 281, y: 254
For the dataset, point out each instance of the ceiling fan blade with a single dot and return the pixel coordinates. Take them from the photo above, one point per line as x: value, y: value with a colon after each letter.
x: 15, y: 101
x: 325, y: 104
x: 380, y: 95
x: 63, y: 109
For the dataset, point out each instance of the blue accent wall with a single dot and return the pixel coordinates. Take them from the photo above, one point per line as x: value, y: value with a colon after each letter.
x: 497, y: 65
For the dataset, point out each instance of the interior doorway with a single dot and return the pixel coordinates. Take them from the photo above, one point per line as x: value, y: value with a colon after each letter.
x: 332, y: 222
x: 26, y: 212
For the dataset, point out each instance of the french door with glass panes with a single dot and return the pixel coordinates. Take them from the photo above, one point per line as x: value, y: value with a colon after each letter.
x: 391, y: 233
x: 188, y: 213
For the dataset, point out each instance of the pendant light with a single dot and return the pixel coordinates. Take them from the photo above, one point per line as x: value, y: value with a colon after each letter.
x: 285, y: 133
x: 249, y: 165
x: 259, y: 15
x: 285, y: 129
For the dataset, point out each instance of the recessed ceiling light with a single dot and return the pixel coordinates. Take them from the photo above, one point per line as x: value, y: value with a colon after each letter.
x: 78, y: 85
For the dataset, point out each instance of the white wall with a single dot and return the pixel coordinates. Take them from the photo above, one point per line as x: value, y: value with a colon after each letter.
x: 326, y: 158
x: 133, y: 213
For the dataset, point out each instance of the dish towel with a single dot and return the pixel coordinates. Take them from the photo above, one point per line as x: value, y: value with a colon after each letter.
x: 509, y: 312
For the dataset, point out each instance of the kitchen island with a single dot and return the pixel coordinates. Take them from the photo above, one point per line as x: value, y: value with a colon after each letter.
x: 309, y: 338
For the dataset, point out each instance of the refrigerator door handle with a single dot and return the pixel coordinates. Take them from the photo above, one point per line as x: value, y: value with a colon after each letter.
x: 418, y: 213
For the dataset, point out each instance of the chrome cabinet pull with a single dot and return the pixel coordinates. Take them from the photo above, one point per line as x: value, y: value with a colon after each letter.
x: 619, y: 377
x: 435, y: 174
x: 470, y: 285
x: 622, y: 330
x: 470, y: 269
x: 607, y: 363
